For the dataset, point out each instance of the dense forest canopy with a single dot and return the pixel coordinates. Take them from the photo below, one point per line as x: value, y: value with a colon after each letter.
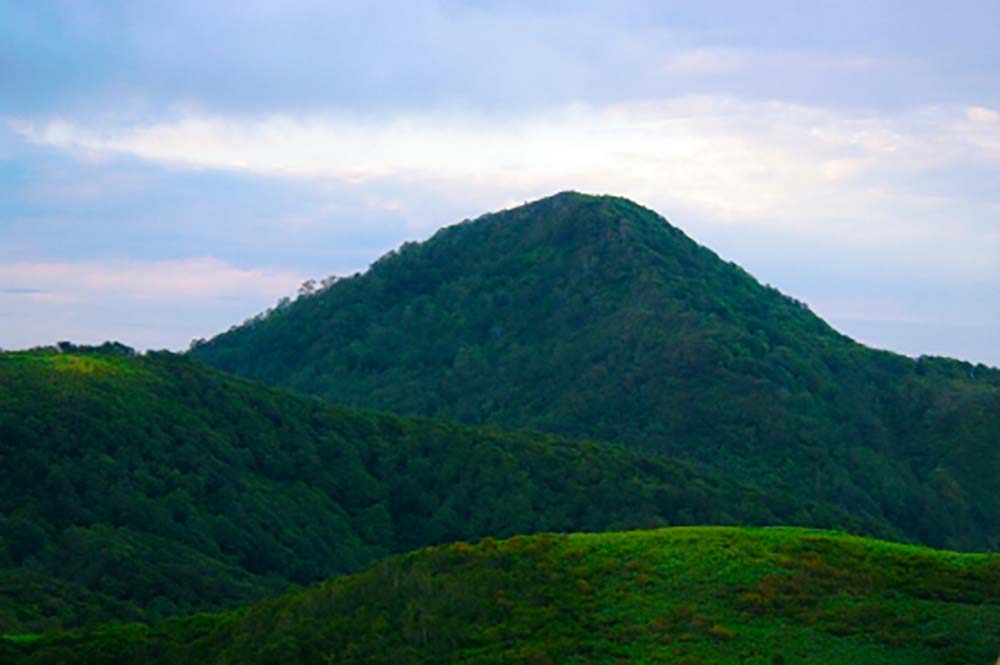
x: 593, y: 317
x: 140, y: 487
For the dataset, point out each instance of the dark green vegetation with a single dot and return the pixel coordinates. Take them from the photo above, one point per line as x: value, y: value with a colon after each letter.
x: 592, y: 317
x: 138, y: 487
x: 682, y: 595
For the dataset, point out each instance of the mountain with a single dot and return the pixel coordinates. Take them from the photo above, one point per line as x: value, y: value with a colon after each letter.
x: 679, y: 595
x: 139, y: 487
x: 593, y: 317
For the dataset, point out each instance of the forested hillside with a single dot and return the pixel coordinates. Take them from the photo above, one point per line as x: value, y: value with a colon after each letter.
x: 593, y: 317
x: 138, y: 487
x: 684, y: 595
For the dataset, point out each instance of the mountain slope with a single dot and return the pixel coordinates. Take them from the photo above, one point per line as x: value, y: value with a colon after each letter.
x: 137, y: 487
x: 593, y: 317
x: 684, y: 595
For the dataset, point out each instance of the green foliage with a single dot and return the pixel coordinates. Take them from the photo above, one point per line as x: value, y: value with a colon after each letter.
x: 593, y: 317
x: 682, y: 595
x: 141, y: 487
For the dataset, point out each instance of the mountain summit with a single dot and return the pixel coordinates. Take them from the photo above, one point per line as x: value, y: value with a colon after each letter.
x: 486, y: 310
x: 592, y: 316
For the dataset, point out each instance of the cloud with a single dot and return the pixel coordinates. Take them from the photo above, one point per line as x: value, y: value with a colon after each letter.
x: 56, y: 208
x: 259, y: 55
x: 203, y: 279
x: 860, y: 179
x: 146, y: 304
x: 708, y: 138
x: 980, y: 115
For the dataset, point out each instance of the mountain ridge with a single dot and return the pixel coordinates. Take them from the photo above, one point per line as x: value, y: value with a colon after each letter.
x: 593, y: 317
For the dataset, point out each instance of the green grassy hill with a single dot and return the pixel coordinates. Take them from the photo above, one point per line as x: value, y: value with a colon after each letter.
x: 681, y: 595
x: 593, y: 317
x: 140, y: 487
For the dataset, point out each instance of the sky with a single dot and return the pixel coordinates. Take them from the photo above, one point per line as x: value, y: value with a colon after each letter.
x: 168, y: 170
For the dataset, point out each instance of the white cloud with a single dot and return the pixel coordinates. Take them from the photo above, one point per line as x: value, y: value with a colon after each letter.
x: 812, y: 169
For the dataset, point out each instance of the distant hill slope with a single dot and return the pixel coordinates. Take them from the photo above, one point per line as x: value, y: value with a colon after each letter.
x: 593, y: 317
x: 136, y: 487
x: 681, y: 595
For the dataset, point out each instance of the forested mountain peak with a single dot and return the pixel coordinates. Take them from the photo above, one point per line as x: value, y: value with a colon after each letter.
x: 541, y: 269
x: 576, y: 220
x: 567, y: 237
x: 591, y: 316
